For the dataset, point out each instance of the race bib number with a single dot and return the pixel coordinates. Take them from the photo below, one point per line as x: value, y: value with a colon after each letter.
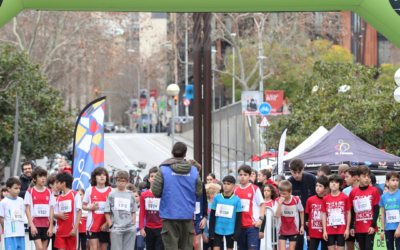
x: 122, y: 204
x: 102, y: 207
x: 245, y: 205
x: 152, y: 204
x: 225, y: 211
x: 288, y: 211
x: 197, y: 210
x: 17, y: 215
x: 65, y: 206
x: 363, y: 204
x: 85, y: 213
x: 392, y: 216
x: 336, y: 219
x: 41, y: 210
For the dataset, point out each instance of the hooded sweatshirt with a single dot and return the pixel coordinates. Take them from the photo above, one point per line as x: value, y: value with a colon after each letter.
x: 25, y: 182
x: 178, y: 165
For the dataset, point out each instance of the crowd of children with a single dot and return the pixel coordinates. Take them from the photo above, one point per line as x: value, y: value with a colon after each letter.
x: 124, y: 217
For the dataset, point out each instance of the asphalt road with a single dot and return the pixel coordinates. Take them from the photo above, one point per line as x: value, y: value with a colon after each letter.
x: 124, y: 150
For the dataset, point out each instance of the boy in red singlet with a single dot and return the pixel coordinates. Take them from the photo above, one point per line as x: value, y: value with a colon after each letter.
x: 68, y: 211
x: 39, y: 203
x: 95, y: 202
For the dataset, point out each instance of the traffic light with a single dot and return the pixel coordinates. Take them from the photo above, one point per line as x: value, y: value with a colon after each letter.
x: 176, y: 99
x: 135, y: 115
x: 95, y: 91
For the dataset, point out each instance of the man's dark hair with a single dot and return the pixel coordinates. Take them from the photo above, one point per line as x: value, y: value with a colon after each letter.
x: 12, y: 181
x: 323, y: 180
x: 245, y: 168
x: 373, y: 178
x: 230, y: 179
x: 38, y: 172
x: 98, y: 171
x: 179, y: 149
x: 153, y: 170
x: 296, y: 164
x: 392, y: 174
x: 364, y: 170
x: 326, y: 169
x: 353, y: 171
x: 336, y: 178
x: 26, y: 164
x: 65, y: 177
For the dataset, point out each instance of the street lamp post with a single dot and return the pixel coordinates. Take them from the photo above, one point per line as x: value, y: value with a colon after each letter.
x: 233, y: 69
x: 173, y: 90
x: 214, y: 52
x: 138, y: 73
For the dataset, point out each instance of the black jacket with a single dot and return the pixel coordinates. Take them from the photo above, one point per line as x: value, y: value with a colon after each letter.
x: 303, y: 189
x: 25, y: 183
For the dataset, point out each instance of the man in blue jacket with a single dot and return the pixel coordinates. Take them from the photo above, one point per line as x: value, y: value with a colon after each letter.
x: 178, y: 184
x: 303, y: 186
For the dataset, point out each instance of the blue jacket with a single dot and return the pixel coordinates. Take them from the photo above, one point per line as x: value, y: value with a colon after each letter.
x: 178, y: 198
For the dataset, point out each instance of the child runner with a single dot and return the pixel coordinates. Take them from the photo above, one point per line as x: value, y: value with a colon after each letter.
x: 226, y: 216
x: 200, y: 214
x: 82, y: 223
x: 212, y: 189
x: 51, y: 183
x: 139, y: 243
x: 287, y: 210
x: 253, y: 209
x: 95, y: 202
x: 313, y: 215
x: 120, y: 213
x: 351, y: 177
x: 67, y: 211
x: 336, y: 215
x: 390, y: 218
x: 365, y: 210
x: 3, y: 192
x: 12, y: 211
x: 39, y: 202
x: 149, y: 211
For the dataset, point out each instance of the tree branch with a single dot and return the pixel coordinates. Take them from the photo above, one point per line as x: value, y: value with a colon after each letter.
x: 35, y: 33
x: 16, y: 34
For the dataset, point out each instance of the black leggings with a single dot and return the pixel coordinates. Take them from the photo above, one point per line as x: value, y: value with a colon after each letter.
x: 336, y: 239
x: 365, y: 240
x: 391, y: 241
x: 314, y: 244
x: 82, y: 240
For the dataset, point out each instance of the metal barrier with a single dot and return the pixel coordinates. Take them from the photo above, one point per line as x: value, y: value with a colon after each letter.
x: 271, y: 231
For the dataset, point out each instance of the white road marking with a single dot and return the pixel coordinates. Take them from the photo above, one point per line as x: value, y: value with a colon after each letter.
x: 120, y: 153
x: 157, y: 146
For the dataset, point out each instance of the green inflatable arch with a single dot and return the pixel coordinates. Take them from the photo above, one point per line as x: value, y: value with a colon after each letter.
x: 381, y: 14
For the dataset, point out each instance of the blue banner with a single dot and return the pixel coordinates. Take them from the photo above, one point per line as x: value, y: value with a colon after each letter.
x: 189, y: 92
x: 88, y: 143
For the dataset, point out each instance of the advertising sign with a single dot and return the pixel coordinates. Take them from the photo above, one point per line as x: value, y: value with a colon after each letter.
x: 144, y: 93
x: 275, y: 99
x: 153, y: 93
x: 250, y: 102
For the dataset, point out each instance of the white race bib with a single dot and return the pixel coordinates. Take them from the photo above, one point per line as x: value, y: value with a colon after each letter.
x: 122, y: 204
x: 17, y: 215
x: 336, y: 219
x: 363, y: 204
x: 197, y: 210
x: 85, y: 213
x: 65, y: 206
x: 392, y: 216
x: 152, y: 204
x: 288, y: 211
x: 41, y: 210
x: 245, y: 205
x: 224, y: 211
x: 102, y: 207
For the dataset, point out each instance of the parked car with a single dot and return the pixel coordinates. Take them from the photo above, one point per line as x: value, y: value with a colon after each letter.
x: 109, y: 127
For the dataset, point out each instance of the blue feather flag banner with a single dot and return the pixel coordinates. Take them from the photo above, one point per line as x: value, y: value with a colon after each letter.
x: 88, y: 143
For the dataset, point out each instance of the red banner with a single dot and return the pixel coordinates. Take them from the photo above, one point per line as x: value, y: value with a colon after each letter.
x: 275, y: 99
x: 153, y: 93
x: 143, y: 103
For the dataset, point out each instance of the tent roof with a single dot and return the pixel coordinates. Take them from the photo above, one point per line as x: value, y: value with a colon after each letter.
x: 339, y: 146
x: 314, y: 137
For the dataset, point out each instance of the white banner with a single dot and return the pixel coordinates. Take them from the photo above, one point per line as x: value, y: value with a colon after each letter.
x: 281, y: 151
